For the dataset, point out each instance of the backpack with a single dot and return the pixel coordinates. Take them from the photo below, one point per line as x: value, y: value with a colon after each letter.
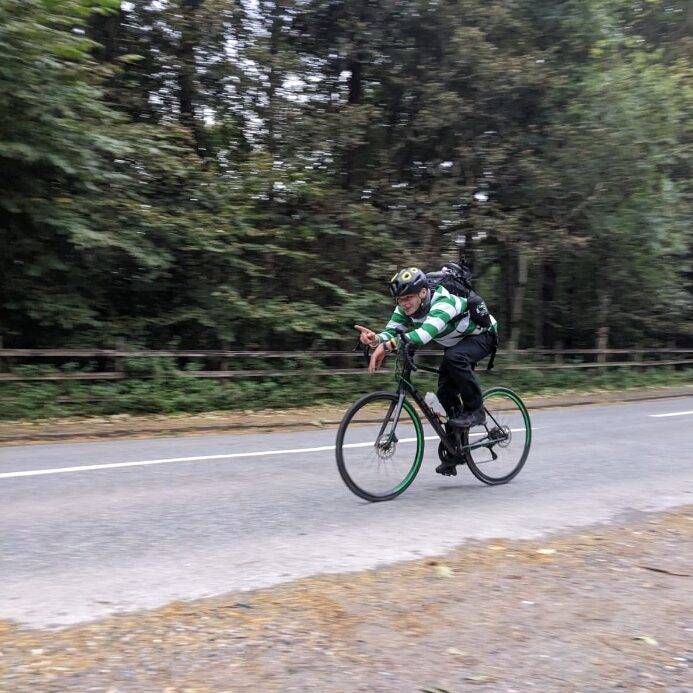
x: 457, y: 279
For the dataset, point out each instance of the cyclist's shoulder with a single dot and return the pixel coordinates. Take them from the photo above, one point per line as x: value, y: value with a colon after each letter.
x: 440, y: 293
x: 442, y: 296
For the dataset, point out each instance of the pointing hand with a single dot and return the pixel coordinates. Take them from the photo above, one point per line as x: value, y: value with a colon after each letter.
x: 367, y: 337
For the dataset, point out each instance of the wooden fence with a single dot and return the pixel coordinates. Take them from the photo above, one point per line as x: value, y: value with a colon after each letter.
x: 222, y: 362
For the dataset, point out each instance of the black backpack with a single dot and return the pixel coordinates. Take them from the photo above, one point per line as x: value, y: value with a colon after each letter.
x: 457, y: 279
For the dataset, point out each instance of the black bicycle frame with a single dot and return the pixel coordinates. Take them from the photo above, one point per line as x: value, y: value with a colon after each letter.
x: 405, y: 387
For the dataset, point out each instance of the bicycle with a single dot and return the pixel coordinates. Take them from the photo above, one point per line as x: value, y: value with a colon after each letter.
x: 373, y: 450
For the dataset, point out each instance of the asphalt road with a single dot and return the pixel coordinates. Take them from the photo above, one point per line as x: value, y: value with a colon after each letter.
x: 126, y: 525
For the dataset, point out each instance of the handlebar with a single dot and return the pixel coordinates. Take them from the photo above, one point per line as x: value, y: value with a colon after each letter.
x: 407, y: 347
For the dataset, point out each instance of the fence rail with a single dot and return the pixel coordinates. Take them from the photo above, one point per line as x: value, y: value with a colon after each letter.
x: 507, y: 360
x: 211, y: 353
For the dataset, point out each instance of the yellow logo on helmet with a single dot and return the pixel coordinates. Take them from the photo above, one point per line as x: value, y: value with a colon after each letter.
x: 406, y: 276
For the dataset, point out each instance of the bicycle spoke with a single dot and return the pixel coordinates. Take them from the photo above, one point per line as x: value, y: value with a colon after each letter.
x: 378, y: 456
x: 501, y: 446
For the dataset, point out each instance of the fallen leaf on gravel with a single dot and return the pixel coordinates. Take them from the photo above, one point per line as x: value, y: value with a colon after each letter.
x: 479, y: 678
x: 443, y: 571
x: 454, y: 651
x: 647, y: 639
x: 546, y: 552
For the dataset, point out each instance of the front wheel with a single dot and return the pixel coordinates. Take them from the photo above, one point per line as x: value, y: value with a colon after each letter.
x: 378, y: 457
x: 497, y: 451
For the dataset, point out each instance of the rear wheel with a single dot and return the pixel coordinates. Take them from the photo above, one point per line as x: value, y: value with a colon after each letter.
x: 377, y: 457
x: 497, y: 451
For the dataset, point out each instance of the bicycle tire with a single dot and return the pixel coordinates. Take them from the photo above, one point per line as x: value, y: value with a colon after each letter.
x: 523, y: 426
x: 343, y: 465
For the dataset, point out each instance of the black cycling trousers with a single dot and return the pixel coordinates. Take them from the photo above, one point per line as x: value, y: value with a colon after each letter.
x: 457, y: 373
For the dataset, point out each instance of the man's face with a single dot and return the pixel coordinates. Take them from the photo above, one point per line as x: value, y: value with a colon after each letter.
x: 410, y: 303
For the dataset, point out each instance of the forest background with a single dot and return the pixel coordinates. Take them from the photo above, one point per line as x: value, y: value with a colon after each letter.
x: 247, y: 174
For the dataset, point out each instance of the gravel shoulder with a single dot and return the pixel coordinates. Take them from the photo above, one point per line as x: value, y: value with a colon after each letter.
x: 604, y: 608
x: 74, y: 429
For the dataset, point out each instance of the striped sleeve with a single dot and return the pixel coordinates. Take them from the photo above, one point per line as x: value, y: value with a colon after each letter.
x: 444, y: 308
x: 397, y: 319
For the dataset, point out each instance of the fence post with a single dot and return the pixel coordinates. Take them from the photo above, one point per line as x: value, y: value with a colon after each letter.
x: 118, y: 365
x: 224, y: 361
x: 558, y: 346
x: 671, y: 344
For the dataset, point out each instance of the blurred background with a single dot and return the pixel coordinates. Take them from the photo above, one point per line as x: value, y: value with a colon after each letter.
x: 220, y: 175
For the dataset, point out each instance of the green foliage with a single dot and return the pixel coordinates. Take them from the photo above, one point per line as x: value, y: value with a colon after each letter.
x: 168, y: 393
x: 232, y: 174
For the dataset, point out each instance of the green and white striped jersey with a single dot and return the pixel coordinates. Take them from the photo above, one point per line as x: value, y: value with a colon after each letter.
x: 447, y: 321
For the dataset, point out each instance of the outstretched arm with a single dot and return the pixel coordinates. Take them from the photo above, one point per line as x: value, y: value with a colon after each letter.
x: 397, y: 319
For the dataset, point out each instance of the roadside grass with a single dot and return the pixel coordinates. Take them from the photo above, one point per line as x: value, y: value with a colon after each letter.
x: 166, y: 390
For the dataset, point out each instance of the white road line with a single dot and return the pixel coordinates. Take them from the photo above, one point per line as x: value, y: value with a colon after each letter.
x: 170, y: 460
x: 674, y: 413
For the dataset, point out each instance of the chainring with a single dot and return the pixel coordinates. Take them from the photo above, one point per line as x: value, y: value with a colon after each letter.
x: 446, y: 458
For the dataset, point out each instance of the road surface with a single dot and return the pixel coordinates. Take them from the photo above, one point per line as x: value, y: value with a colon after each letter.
x: 95, y: 528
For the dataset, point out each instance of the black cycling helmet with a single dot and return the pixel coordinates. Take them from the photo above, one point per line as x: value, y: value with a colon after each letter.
x: 408, y: 281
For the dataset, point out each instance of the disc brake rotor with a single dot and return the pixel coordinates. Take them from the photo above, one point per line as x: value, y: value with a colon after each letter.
x: 385, y: 447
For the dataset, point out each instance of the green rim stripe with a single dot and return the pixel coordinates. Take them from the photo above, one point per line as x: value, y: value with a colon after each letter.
x: 419, y: 448
x: 511, y: 395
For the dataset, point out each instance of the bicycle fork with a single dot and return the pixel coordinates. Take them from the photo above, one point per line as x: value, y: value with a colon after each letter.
x: 393, y: 414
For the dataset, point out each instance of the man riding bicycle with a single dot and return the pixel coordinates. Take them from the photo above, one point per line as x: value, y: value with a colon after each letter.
x: 462, y: 325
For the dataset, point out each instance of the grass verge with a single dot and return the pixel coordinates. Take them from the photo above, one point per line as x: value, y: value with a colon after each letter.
x: 167, y: 391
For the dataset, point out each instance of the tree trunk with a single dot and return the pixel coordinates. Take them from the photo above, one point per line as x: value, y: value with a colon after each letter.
x: 539, y: 308
x: 507, y: 283
x: 549, y: 284
x: 558, y: 345
x: 466, y: 253
x: 603, y: 325
x: 187, y: 72
x: 518, y: 299
x: 355, y: 85
x: 105, y: 29
x: 274, y: 78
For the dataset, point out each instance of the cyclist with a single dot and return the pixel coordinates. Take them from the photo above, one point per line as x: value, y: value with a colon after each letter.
x: 463, y: 326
